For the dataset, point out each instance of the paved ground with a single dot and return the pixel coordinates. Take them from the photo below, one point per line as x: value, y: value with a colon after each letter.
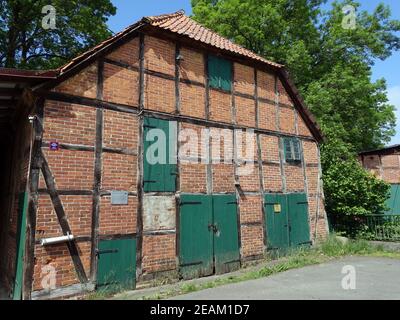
x: 376, y: 278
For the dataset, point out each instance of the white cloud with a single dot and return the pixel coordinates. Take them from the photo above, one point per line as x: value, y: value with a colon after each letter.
x: 394, y: 99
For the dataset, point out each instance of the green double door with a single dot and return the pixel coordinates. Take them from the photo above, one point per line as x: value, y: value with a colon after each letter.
x: 208, y: 235
x: 116, y: 264
x: 286, y: 221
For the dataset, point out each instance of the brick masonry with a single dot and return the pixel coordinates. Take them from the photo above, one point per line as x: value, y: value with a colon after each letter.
x: 74, y: 170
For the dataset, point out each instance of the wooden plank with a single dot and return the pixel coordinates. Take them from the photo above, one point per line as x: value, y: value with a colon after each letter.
x: 83, y: 101
x: 62, y: 219
x: 97, y: 174
x: 35, y: 165
x: 177, y: 82
x: 139, y: 216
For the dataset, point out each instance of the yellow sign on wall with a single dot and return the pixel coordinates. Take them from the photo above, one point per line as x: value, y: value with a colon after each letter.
x: 277, y: 208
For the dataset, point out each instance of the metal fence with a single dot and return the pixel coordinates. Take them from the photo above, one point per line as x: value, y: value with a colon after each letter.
x: 381, y: 227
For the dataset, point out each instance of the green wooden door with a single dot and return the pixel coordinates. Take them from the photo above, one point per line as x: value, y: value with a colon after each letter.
x: 116, y: 264
x: 277, y: 228
x: 21, y: 237
x: 195, y: 236
x: 299, y: 229
x: 393, y: 203
x: 226, y: 239
x: 159, y: 170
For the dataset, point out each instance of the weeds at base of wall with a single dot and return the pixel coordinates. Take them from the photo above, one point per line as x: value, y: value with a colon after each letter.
x: 325, y: 251
x: 328, y: 250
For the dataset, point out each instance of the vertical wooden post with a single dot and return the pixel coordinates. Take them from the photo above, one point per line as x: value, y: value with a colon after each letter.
x: 97, y: 174
x: 281, y: 146
x: 178, y: 126
x: 36, y: 164
x: 139, y: 217
x: 259, y: 160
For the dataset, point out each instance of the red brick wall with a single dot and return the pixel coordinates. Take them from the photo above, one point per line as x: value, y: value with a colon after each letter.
x: 83, y: 84
x: 244, y: 79
x: 245, y: 112
x: 159, y: 253
x: 266, y: 85
x: 220, y: 106
x: 120, y: 85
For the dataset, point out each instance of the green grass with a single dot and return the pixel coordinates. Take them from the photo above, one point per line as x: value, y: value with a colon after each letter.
x: 330, y: 249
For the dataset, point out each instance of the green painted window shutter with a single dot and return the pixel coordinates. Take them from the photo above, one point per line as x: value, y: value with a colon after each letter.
x: 220, y: 73
x: 158, y: 177
x: 291, y: 147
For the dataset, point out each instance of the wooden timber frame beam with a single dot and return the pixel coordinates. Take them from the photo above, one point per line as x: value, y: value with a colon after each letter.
x: 140, y: 192
x: 62, y: 219
x: 34, y: 169
x: 98, y: 149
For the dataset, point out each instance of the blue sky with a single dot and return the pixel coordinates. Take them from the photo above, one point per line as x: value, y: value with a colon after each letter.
x: 130, y: 11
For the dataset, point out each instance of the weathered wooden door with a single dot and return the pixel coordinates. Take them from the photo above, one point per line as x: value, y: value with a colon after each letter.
x: 277, y: 228
x: 208, y: 235
x: 195, y: 236
x: 226, y: 238
x: 159, y: 168
x: 299, y: 229
x: 116, y: 264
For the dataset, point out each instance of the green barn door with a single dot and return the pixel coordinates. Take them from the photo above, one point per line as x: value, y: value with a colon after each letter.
x: 195, y: 236
x: 226, y: 239
x: 21, y: 237
x: 277, y: 222
x: 299, y: 229
x: 116, y: 264
x: 159, y: 170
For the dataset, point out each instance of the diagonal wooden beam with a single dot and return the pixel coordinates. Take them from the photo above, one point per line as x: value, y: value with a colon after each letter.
x: 62, y: 218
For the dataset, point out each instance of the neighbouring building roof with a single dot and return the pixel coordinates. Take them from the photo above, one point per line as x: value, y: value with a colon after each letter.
x: 388, y: 149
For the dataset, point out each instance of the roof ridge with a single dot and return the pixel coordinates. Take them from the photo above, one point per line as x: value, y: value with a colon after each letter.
x: 161, y: 17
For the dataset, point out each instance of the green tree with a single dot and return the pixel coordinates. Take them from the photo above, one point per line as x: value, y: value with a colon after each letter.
x: 349, y: 189
x: 26, y: 44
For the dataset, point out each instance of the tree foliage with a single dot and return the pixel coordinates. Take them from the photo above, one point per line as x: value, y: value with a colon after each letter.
x: 26, y: 44
x: 331, y: 66
x: 349, y: 189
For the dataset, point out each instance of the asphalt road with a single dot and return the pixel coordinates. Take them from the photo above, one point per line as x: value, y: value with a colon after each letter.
x: 375, y: 278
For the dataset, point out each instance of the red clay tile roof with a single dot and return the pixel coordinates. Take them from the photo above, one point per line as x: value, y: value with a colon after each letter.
x: 179, y: 23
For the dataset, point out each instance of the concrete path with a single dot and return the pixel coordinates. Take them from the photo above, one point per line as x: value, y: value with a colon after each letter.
x: 375, y: 278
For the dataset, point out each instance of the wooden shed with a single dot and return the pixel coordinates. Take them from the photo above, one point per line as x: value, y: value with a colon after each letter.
x: 88, y: 204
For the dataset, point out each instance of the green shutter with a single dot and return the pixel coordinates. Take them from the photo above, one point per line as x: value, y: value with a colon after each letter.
x: 291, y: 148
x: 220, y: 73
x: 287, y: 149
x: 296, y: 149
x: 158, y: 177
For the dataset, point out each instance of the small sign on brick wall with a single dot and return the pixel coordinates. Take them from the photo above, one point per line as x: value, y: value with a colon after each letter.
x: 119, y: 197
x: 54, y: 146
